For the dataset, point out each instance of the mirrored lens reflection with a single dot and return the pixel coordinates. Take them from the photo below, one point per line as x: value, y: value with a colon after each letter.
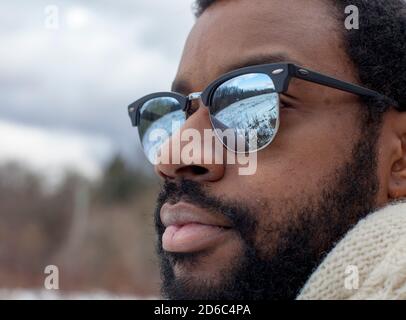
x: 159, y: 119
x: 248, y: 105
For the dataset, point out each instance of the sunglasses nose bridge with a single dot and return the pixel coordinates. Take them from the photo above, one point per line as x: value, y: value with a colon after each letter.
x: 194, y: 96
x: 190, y: 98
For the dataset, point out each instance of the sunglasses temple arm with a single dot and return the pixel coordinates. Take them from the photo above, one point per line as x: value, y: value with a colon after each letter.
x: 316, y: 77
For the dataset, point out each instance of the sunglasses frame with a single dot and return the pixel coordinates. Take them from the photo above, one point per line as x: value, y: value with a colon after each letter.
x: 280, y: 73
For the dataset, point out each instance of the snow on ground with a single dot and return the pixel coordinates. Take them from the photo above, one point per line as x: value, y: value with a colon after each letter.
x: 36, y: 294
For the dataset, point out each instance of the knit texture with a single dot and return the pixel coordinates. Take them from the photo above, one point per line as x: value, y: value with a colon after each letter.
x: 375, y: 249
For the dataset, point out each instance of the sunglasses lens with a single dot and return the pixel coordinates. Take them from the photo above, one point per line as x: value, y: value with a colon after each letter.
x: 159, y: 119
x: 245, y: 112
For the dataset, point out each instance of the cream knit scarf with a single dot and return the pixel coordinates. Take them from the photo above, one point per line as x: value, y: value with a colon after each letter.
x: 368, y: 263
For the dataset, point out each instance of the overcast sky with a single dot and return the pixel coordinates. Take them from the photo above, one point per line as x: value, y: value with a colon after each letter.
x: 65, y: 82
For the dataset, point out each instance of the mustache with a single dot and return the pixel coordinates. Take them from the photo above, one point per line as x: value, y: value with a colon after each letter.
x: 239, y: 215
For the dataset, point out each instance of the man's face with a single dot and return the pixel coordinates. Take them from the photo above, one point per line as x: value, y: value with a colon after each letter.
x: 260, y: 236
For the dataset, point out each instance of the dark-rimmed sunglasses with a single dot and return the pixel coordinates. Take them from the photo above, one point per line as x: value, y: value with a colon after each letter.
x: 245, y: 101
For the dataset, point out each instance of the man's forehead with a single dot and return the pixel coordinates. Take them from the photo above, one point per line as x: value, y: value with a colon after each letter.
x: 234, y: 34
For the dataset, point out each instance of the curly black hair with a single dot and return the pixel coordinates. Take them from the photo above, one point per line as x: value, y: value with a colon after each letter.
x: 377, y: 48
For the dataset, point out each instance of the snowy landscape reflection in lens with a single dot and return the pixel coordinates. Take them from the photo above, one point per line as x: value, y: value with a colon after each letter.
x: 159, y: 119
x: 249, y: 105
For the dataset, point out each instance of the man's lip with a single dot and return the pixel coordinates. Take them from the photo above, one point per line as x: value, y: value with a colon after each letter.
x: 192, y: 229
x: 183, y: 213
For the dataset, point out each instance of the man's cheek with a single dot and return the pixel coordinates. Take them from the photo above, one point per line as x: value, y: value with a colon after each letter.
x: 292, y: 176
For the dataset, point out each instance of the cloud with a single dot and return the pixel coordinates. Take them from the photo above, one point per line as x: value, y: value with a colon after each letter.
x: 52, y: 152
x: 80, y: 77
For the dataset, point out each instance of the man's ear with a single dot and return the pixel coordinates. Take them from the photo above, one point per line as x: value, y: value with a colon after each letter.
x: 397, y: 179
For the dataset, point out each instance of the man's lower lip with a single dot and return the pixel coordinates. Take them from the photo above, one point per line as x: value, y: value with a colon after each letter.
x: 192, y: 237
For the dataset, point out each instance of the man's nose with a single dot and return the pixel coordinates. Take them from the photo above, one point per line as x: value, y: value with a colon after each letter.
x: 203, y: 165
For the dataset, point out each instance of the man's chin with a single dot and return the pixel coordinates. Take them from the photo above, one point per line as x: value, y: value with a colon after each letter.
x: 205, y: 262
x: 199, y: 275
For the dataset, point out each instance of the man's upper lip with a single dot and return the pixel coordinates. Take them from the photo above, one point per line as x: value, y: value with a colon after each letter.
x: 183, y: 213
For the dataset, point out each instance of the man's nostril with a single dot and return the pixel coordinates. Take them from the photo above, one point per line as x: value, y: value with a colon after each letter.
x: 199, y: 170
x: 192, y: 170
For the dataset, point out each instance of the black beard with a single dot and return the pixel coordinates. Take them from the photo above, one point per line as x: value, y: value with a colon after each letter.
x: 313, y: 230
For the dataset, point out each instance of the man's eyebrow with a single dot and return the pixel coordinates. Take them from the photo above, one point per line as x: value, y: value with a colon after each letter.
x: 259, y: 59
x: 183, y: 86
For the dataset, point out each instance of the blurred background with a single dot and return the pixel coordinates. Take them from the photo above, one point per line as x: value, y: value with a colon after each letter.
x: 75, y: 189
